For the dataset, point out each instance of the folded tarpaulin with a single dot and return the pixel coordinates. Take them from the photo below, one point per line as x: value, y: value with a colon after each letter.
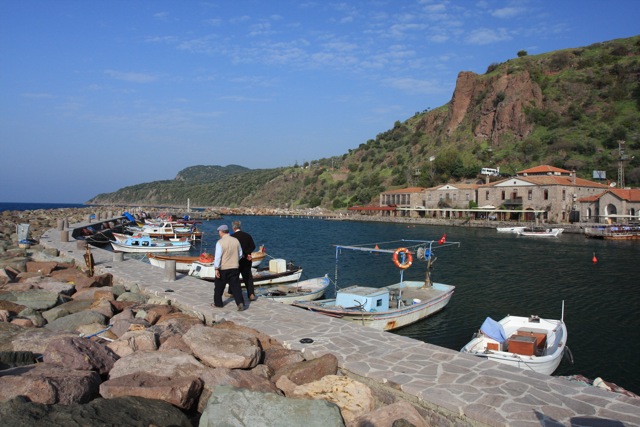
x: 129, y: 216
x: 493, y: 330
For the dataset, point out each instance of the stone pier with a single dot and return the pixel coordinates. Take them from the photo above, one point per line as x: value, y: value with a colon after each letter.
x: 448, y: 388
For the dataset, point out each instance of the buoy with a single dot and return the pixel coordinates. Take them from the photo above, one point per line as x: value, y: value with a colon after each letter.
x: 376, y: 247
x: 594, y: 259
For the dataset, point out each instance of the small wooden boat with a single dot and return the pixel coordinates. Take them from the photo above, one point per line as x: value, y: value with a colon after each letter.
x: 306, y: 290
x: 185, y: 262
x: 283, y: 272
x: 540, y: 232
x: 394, y: 306
x: 146, y: 244
x: 529, y: 343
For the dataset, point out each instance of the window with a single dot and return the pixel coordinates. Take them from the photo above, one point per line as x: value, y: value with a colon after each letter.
x: 429, y: 197
x: 379, y: 303
x: 530, y: 195
x: 468, y: 197
x: 503, y: 194
x: 486, y: 195
x: 564, y: 194
x: 546, y: 194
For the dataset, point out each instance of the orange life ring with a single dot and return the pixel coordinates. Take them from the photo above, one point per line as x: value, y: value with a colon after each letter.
x: 408, y: 258
x: 206, y: 258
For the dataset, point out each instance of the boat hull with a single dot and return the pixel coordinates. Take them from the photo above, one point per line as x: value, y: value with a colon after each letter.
x: 544, y: 360
x: 432, y: 300
x: 306, y: 290
x: 553, y: 232
x: 184, y: 263
x: 261, y: 277
x: 169, y: 248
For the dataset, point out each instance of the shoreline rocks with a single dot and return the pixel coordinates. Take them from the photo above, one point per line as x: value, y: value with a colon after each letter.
x: 78, y: 350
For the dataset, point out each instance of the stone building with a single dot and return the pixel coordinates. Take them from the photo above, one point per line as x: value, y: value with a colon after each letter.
x: 404, y: 200
x: 545, y: 188
x: 543, y: 193
x: 615, y: 205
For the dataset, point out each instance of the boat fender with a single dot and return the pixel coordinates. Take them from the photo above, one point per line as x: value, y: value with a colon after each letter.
x: 407, y: 258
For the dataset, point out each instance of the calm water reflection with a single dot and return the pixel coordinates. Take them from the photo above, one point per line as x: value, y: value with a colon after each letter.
x: 495, y: 274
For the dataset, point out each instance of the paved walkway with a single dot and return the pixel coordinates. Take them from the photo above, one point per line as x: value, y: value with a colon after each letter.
x: 456, y: 389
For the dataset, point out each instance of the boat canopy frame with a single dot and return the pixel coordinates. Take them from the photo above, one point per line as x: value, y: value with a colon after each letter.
x: 422, y: 249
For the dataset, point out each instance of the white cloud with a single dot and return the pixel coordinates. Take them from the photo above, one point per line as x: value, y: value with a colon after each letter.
x: 131, y: 77
x: 508, y: 12
x: 412, y: 85
x: 33, y: 95
x: 483, y: 36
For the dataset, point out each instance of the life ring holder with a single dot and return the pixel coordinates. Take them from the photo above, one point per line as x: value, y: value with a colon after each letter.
x: 408, y: 258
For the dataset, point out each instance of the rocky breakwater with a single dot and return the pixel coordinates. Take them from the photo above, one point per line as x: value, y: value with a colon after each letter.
x: 78, y: 350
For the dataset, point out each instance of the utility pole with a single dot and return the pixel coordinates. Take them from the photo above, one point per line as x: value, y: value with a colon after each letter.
x: 621, y: 159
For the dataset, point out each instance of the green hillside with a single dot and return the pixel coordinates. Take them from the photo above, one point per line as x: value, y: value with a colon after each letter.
x: 569, y: 108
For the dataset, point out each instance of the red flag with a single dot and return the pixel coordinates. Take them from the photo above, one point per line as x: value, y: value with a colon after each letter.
x: 443, y: 239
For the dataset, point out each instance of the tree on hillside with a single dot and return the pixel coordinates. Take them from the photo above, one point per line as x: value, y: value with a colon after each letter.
x: 522, y: 53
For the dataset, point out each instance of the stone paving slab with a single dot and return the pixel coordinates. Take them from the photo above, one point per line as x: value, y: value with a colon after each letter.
x: 462, y: 389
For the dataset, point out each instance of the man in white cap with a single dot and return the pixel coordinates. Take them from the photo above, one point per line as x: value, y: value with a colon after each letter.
x: 226, y: 264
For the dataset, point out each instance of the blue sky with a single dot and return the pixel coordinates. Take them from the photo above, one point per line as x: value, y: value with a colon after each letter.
x: 99, y: 95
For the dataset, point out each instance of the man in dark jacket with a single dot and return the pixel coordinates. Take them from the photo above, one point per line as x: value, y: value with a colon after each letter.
x: 248, y: 246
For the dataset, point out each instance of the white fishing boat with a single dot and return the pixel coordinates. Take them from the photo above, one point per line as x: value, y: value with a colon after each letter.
x: 530, y: 343
x: 279, y: 271
x: 305, y: 290
x: 393, y: 306
x: 540, y: 232
x: 146, y: 244
x: 509, y: 229
x: 168, y: 230
x: 185, y: 262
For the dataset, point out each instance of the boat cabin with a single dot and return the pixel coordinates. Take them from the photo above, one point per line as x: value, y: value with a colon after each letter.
x: 363, y: 298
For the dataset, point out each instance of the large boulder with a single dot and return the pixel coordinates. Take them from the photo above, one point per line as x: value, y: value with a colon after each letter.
x: 73, y: 321
x: 42, y: 267
x: 396, y: 414
x: 120, y: 411
x: 352, y: 397
x: 221, y: 348
x: 37, y: 299
x: 50, y: 384
x: 172, y: 363
x: 80, y: 354
x: 65, y: 309
x: 228, y: 404
x: 216, y: 377
x: 266, y: 342
x: 308, y: 370
x: 181, y: 391
x: 36, y: 340
x: 279, y: 357
x: 143, y: 340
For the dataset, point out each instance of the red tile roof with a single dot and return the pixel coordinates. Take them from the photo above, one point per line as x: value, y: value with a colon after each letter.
x: 543, y: 169
x: 628, y: 194
x: 406, y: 190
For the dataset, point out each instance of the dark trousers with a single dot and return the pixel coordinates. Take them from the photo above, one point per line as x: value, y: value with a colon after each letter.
x: 232, y: 277
x: 247, y: 276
